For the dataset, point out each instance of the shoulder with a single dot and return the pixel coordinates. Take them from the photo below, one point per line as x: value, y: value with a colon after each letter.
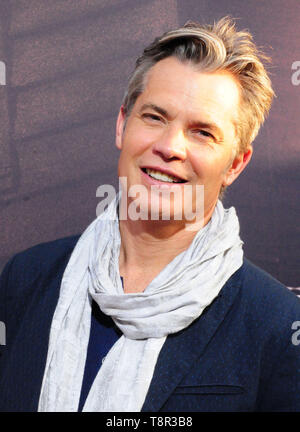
x: 271, y: 316
x: 29, y: 287
x: 46, y: 253
x: 48, y: 248
x: 267, y: 305
x: 258, y: 285
x: 43, y: 259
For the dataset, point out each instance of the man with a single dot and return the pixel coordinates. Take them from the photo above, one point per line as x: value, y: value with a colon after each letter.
x: 150, y: 313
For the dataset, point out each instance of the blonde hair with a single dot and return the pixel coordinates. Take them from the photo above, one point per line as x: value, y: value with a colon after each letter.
x: 217, y: 47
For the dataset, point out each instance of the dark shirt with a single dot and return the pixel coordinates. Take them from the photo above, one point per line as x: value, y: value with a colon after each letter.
x: 103, y: 335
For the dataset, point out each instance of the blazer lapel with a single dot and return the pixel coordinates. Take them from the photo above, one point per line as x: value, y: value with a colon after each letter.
x: 180, y: 351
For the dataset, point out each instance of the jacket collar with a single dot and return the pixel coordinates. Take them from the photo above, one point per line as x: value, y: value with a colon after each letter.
x: 180, y: 352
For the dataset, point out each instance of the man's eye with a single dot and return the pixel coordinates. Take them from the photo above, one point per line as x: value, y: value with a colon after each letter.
x: 205, y: 133
x: 152, y: 117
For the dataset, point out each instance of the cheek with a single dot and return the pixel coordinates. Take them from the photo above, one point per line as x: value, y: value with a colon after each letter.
x: 138, y: 137
x: 209, y: 166
x: 135, y: 144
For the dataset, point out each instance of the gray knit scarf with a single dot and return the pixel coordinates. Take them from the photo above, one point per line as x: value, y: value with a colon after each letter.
x: 175, y: 298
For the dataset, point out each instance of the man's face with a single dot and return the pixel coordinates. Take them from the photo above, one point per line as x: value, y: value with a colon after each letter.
x: 182, y: 124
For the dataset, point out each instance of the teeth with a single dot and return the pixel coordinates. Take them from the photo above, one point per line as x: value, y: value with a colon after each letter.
x: 158, y: 175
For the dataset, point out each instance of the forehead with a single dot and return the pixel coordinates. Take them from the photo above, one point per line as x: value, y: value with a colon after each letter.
x: 185, y: 89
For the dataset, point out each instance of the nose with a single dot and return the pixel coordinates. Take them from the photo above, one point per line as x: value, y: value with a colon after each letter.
x: 172, y: 145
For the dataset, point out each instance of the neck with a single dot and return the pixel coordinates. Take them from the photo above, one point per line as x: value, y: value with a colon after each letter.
x: 148, y: 246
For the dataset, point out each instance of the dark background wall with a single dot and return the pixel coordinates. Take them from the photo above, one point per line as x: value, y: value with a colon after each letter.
x: 67, y: 63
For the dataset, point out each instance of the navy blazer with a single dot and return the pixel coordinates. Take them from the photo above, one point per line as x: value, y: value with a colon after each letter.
x: 238, y: 355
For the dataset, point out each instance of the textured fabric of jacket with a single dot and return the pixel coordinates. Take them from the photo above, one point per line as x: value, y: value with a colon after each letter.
x: 241, y: 354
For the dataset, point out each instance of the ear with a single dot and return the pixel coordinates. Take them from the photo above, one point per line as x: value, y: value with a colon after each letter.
x: 238, y: 164
x: 120, y: 128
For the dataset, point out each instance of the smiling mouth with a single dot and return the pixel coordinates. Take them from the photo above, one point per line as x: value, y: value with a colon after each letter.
x: 158, y: 175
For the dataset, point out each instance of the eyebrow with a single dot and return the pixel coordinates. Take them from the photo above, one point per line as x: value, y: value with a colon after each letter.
x: 156, y: 108
x: 195, y: 124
